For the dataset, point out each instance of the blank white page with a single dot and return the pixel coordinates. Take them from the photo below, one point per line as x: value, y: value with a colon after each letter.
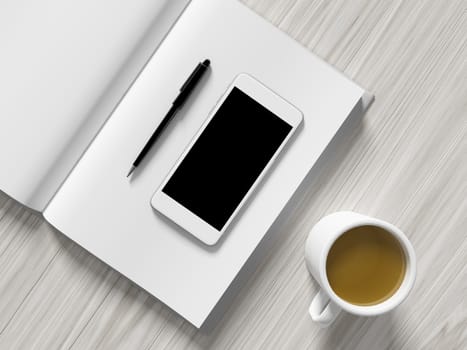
x: 64, y: 65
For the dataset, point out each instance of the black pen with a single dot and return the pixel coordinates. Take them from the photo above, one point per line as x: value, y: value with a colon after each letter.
x: 185, y: 92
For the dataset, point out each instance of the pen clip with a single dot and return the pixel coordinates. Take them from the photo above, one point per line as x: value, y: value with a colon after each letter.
x: 190, y: 78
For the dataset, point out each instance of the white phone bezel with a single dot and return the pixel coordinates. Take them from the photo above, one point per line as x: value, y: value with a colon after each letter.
x: 187, y: 219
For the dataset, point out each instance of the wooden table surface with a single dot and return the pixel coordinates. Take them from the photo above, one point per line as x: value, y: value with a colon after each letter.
x: 406, y: 162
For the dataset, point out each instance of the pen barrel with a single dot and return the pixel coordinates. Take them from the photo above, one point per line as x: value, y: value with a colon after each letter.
x: 190, y: 85
x: 156, y: 134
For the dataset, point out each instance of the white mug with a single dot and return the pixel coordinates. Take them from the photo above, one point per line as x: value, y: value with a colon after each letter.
x: 326, y: 305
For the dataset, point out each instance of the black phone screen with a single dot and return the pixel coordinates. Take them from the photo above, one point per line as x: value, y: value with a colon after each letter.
x: 227, y: 158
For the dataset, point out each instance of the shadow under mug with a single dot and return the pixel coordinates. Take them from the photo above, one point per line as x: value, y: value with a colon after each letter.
x: 326, y: 305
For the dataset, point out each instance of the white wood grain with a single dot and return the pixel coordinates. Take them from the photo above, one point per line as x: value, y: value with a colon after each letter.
x: 406, y: 163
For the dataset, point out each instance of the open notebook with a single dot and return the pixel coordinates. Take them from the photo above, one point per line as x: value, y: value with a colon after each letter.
x: 64, y: 160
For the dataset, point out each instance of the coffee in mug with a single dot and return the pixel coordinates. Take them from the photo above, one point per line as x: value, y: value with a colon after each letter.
x: 365, y: 265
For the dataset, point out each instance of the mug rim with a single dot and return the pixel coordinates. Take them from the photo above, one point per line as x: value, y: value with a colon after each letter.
x: 398, y: 296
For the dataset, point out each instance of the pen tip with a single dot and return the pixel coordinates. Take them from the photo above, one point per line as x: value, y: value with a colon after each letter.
x: 206, y: 62
x: 131, y: 171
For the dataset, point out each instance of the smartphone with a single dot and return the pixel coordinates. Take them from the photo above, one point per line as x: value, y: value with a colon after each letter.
x: 227, y: 158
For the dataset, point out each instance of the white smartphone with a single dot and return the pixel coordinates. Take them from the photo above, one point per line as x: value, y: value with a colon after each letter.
x: 226, y: 159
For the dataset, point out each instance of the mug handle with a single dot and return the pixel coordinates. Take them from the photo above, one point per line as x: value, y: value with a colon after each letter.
x: 323, y: 310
